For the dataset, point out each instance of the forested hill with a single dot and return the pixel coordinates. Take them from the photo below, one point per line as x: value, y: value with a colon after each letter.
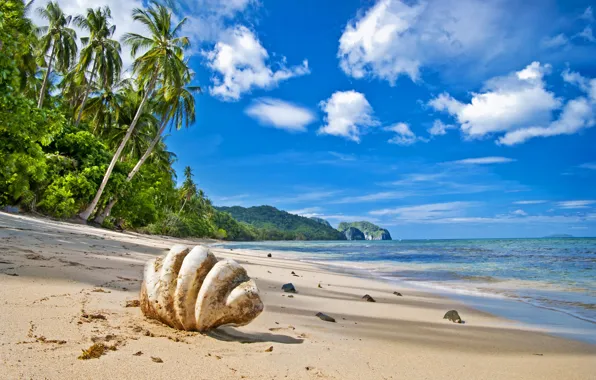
x: 274, y: 224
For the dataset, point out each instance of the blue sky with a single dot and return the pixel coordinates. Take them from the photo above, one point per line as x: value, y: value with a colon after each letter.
x: 434, y: 119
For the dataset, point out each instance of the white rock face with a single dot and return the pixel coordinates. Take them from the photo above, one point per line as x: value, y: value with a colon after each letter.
x: 191, y: 290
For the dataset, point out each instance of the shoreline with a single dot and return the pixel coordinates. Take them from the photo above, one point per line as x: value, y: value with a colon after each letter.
x: 530, y: 315
x: 65, y: 271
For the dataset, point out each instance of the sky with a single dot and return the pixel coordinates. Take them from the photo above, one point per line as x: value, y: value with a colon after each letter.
x: 433, y: 119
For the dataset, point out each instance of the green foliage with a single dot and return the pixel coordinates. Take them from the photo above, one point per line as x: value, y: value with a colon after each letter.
x: 273, y: 224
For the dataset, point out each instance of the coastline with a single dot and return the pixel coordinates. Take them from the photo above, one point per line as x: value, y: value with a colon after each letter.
x: 60, y: 266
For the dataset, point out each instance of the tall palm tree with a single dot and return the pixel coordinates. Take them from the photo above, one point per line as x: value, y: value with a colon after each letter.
x: 58, y: 39
x: 163, y: 59
x: 98, y: 48
x: 189, y: 188
x: 178, y: 110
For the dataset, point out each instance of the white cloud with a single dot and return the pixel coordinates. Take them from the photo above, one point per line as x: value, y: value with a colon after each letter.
x: 587, y: 34
x: 374, y: 197
x: 403, y: 134
x: 588, y: 15
x: 588, y: 165
x: 397, y: 37
x: 439, y: 128
x: 533, y: 202
x: 307, y: 212
x: 577, y: 114
x: 576, y: 204
x: 280, y: 114
x: 519, y: 213
x: 555, y: 42
x: 520, y: 106
x: 239, y: 63
x: 347, y: 112
x: 426, y: 211
x: 483, y: 161
x: 509, y: 102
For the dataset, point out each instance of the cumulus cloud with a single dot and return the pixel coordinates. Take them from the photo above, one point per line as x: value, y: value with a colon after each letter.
x: 347, y: 113
x: 240, y: 64
x: 506, y: 103
x: 520, y: 106
x: 519, y: 213
x: 483, y: 161
x: 280, y: 114
x: 397, y: 37
x: 403, y: 134
x: 439, y: 128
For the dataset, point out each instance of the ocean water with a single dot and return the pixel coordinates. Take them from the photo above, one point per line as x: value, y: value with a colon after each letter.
x: 554, y: 279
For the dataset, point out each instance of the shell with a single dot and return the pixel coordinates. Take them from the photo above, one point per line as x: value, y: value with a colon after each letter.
x: 190, y: 290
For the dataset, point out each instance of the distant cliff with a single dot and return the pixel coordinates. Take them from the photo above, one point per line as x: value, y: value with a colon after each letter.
x: 367, y: 229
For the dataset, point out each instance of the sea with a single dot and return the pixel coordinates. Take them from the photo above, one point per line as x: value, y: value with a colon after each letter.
x: 546, y: 284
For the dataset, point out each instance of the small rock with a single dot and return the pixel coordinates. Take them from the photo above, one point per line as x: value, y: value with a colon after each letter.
x: 325, y: 317
x: 270, y: 349
x: 397, y: 294
x: 453, y: 316
x: 288, y: 288
x: 138, y: 353
x: 320, y: 287
x: 133, y: 303
x: 156, y: 359
x: 268, y: 255
x: 368, y: 298
x: 290, y: 296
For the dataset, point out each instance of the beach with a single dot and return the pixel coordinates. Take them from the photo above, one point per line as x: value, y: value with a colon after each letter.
x: 65, y: 286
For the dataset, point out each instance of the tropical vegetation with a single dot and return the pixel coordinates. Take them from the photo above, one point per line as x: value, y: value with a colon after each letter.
x: 80, y: 138
x: 269, y: 223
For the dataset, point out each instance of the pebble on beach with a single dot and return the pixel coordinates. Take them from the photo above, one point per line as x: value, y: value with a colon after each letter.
x: 453, y: 316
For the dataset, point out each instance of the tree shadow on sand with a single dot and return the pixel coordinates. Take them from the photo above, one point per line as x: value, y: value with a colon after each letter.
x: 230, y: 334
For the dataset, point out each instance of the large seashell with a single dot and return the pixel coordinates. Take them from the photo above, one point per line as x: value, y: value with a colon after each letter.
x: 191, y: 290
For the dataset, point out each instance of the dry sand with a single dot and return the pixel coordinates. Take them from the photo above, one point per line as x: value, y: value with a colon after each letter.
x: 64, y: 286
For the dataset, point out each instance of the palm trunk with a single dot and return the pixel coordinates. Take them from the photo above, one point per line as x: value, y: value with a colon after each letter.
x: 87, y: 91
x: 106, y: 212
x: 87, y: 213
x: 183, y: 204
x: 42, y: 93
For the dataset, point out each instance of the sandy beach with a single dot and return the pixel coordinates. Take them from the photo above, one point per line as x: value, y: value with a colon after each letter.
x: 65, y: 286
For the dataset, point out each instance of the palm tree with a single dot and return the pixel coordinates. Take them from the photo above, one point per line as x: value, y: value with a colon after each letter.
x: 99, y: 49
x: 163, y: 58
x: 177, y: 107
x: 58, y: 39
x: 105, y: 105
x: 189, y: 188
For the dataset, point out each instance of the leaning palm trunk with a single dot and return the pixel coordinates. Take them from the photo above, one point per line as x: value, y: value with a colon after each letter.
x: 87, y: 91
x: 42, y: 93
x: 106, y: 212
x: 87, y: 213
